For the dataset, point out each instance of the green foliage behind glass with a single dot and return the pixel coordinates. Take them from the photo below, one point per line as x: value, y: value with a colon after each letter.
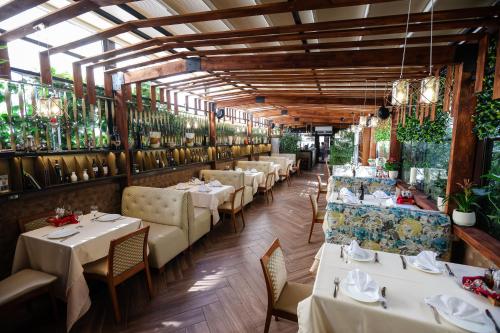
x: 342, y: 148
x: 289, y: 143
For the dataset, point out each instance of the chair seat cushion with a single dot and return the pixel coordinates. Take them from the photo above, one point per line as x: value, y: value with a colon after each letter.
x: 165, y: 242
x: 98, y: 267
x: 291, y: 295
x: 320, y: 215
x: 22, y: 283
x: 227, y: 205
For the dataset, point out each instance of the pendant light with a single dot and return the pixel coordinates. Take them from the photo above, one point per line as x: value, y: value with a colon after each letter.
x: 429, y: 87
x: 401, y: 87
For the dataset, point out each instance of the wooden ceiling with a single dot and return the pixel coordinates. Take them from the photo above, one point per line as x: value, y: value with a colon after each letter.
x: 314, y: 61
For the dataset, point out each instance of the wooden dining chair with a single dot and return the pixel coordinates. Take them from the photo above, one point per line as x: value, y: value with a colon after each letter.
x: 127, y: 257
x: 318, y: 216
x: 268, y: 186
x: 285, y: 175
x: 328, y: 172
x: 296, y: 168
x: 233, y: 207
x: 282, y: 295
x: 322, y: 187
x: 34, y: 221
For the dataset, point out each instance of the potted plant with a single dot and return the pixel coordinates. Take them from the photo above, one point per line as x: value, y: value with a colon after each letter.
x: 392, y: 166
x: 440, y: 189
x: 464, y: 215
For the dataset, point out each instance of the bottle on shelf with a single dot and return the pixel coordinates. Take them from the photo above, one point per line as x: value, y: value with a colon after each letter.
x: 59, y: 174
x: 85, y: 175
x: 105, y: 168
x: 95, y: 168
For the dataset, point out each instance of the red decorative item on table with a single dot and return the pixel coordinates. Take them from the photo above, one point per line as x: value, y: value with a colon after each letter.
x: 405, y: 200
x: 478, y: 285
x: 60, y: 221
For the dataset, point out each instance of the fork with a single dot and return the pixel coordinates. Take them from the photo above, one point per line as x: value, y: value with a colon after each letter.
x: 336, y: 281
x: 383, y: 302
x: 488, y: 313
x: 65, y: 238
x: 403, y: 261
x: 376, y: 257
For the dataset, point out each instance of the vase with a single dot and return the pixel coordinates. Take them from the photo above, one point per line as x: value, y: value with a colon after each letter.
x: 73, y: 177
x: 464, y: 219
x: 393, y: 174
x: 85, y: 175
x: 440, y: 204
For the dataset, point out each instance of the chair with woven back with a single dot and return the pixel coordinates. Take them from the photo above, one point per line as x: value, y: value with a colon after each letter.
x: 127, y: 256
x: 34, y: 222
x: 296, y: 168
x: 318, y: 215
x: 322, y: 187
x: 285, y: 175
x: 282, y: 295
x: 327, y: 167
x: 267, y: 187
x: 233, y: 207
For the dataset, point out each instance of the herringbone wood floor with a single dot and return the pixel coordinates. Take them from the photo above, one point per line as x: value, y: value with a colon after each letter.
x: 218, y: 286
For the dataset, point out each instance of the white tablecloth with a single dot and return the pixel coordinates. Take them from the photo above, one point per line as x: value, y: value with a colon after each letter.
x: 276, y: 169
x: 406, y: 290
x: 210, y: 200
x: 254, y: 179
x: 65, y: 259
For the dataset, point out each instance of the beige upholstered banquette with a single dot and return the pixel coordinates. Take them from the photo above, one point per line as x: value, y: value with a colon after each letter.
x: 291, y: 157
x: 261, y: 166
x: 174, y: 223
x: 229, y: 177
x: 281, y: 160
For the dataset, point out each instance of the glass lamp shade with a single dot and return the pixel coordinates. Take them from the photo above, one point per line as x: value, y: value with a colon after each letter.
x: 429, y: 90
x: 362, y: 121
x: 44, y: 107
x: 373, y: 122
x: 55, y: 106
x: 400, y: 89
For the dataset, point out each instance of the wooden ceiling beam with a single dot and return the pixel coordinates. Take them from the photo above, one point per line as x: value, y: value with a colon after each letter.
x: 297, y: 99
x: 15, y: 7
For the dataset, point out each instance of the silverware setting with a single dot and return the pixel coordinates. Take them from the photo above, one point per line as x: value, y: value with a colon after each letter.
x: 436, y: 314
x: 488, y: 313
x: 450, y: 272
x: 403, y: 261
x: 383, y: 302
x: 336, y: 281
x: 95, y: 218
x: 376, y: 257
x: 68, y: 237
x: 342, y: 251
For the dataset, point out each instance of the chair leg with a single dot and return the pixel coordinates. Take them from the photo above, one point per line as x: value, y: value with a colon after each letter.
x: 114, y: 301
x: 272, y: 195
x: 317, y: 197
x: 311, y: 231
x: 288, y: 181
x: 267, y: 196
x: 233, y: 218
x: 268, y: 322
x: 242, y: 217
x: 148, y: 281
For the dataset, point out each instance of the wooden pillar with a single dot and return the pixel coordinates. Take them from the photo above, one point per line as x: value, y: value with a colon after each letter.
x: 108, y: 45
x: 122, y: 126
x: 77, y: 80
x: 162, y: 95
x: 186, y: 103
x: 463, y: 139
x: 176, y: 105
x: 211, y: 120
x: 373, y: 144
x: 91, y: 94
x: 4, y: 62
x: 138, y: 96
x: 496, y: 82
x: 249, y: 127
x: 45, y: 74
x: 169, y: 100
x: 482, y: 55
x: 457, y: 86
x: 395, y: 145
x: 153, y: 98
x: 365, y: 145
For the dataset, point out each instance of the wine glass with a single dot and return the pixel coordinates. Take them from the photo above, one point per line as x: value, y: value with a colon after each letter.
x: 93, y: 210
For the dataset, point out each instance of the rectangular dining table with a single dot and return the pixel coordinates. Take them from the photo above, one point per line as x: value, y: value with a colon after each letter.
x: 211, y: 200
x: 406, y: 289
x: 254, y: 179
x: 65, y: 258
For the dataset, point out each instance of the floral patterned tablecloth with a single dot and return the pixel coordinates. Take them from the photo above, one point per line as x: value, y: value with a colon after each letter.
x: 371, y: 184
x: 391, y: 229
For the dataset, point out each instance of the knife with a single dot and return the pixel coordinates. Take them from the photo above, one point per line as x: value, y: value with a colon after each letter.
x: 403, y: 261
x: 450, y: 272
x: 488, y: 313
x: 341, y: 252
x: 65, y: 238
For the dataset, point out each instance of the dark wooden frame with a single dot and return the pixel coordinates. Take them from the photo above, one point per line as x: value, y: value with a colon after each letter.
x: 235, y: 210
x: 113, y: 281
x: 271, y: 311
x: 319, y: 187
x: 286, y: 175
x: 314, y: 216
x: 296, y: 168
x: 24, y: 220
x: 265, y: 190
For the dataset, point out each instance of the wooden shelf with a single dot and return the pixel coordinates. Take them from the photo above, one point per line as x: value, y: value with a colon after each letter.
x: 485, y: 244
x: 66, y: 152
x: 421, y: 199
x: 169, y: 169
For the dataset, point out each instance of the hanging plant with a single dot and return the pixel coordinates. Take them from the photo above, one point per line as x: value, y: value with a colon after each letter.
x: 383, y: 131
x: 487, y: 117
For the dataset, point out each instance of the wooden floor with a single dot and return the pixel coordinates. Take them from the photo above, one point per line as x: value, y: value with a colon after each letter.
x: 218, y: 286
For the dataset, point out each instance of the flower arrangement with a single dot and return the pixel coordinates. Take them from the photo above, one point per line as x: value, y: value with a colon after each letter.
x: 391, y: 165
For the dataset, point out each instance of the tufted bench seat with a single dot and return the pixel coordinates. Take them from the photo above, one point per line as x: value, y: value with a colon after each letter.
x: 265, y: 167
x: 233, y: 178
x: 174, y: 224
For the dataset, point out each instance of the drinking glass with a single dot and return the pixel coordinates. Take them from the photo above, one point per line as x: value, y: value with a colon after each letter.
x: 93, y: 210
x: 77, y: 214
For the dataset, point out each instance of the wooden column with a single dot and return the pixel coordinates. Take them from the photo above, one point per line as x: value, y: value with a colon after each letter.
x: 482, y: 55
x: 186, y: 103
x: 395, y: 145
x: 463, y: 140
x: 91, y: 94
x: 365, y: 145
x: 373, y: 144
x: 211, y: 120
x: 176, y: 105
x: 169, y: 100
x: 496, y: 82
x: 77, y: 80
x: 122, y: 126
x: 138, y: 95
x: 108, y: 45
x: 4, y: 62
x: 45, y: 74
x: 153, y: 98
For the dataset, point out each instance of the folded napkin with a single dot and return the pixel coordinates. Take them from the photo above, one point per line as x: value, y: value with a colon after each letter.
x: 356, y: 251
x: 203, y: 188
x: 195, y: 181
x: 215, y: 183
x: 253, y: 170
x: 345, y: 192
x: 380, y: 194
x: 363, y: 283
x: 333, y: 196
x: 426, y: 260
x: 457, y: 308
x: 238, y: 169
x: 350, y: 200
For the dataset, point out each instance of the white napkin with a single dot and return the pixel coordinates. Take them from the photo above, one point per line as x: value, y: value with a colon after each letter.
x: 196, y: 181
x: 380, y: 194
x: 350, y: 200
x: 253, y: 170
x: 363, y: 283
x: 457, y: 308
x: 427, y: 260
x: 334, y: 196
x: 238, y: 169
x: 203, y: 188
x: 356, y: 251
x: 215, y: 183
x: 345, y: 192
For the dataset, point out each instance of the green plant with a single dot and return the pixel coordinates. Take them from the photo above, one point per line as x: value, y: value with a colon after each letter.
x: 487, y: 116
x: 383, y: 131
x: 466, y: 199
x: 342, y: 148
x: 289, y: 143
x: 440, y: 186
x: 391, y: 165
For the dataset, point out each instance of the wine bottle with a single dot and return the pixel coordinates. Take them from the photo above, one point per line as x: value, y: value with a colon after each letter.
x: 95, y: 168
x: 58, y: 171
x: 104, y: 168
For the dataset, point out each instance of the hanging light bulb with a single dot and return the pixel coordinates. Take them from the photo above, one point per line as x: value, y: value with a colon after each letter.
x: 429, y: 90
x: 195, y: 124
x: 363, y: 121
x: 400, y: 90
